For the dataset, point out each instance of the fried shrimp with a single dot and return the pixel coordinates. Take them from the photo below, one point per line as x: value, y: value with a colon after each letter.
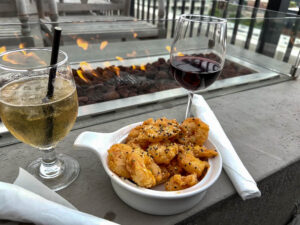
x: 163, y: 152
x: 164, y: 173
x: 140, y: 174
x: 139, y: 164
x: 203, y: 152
x: 194, y: 131
x: 174, y: 168
x: 154, y: 131
x: 198, y: 151
x: 134, y: 133
x: 191, y: 164
x: 117, y: 159
x: 154, y: 168
x: 133, y: 139
x: 179, y: 182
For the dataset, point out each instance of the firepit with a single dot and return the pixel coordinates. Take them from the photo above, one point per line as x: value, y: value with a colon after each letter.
x: 113, y: 82
x: 111, y: 85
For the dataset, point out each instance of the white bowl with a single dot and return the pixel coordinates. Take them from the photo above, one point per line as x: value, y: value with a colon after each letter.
x: 153, y: 201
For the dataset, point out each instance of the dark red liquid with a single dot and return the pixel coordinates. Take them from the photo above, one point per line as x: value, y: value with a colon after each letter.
x: 194, y: 72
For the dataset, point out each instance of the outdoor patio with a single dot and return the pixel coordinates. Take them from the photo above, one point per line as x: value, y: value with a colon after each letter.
x: 118, y: 53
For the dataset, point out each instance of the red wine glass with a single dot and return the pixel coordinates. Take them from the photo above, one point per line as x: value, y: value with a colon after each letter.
x: 198, y: 52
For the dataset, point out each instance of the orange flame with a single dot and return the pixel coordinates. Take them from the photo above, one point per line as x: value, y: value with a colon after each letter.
x: 103, y: 44
x: 82, y: 43
x: 22, y: 59
x: 132, y: 54
x: 79, y: 72
x: 36, y: 57
x: 135, y: 35
x: 7, y: 59
x: 133, y: 67
x: 87, y: 67
x: 168, y: 48
x: 21, y: 45
x: 117, y: 70
x: 143, y: 67
x: 2, y: 49
x: 119, y: 58
x: 106, y: 64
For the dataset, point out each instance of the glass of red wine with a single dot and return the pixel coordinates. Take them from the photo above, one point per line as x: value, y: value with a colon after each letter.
x: 198, y: 52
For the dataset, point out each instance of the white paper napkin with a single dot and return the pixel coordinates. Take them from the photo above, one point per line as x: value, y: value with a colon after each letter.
x: 232, y: 164
x: 19, y: 204
x: 30, y: 183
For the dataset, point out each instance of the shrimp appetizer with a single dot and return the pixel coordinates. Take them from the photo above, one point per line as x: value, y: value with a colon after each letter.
x: 163, y: 151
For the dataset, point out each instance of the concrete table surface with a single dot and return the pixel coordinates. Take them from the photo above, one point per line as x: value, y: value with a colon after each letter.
x: 263, y: 125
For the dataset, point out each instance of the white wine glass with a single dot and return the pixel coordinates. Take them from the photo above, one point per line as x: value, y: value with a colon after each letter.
x: 34, y: 121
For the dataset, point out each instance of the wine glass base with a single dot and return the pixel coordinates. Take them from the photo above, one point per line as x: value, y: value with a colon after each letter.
x: 69, y: 173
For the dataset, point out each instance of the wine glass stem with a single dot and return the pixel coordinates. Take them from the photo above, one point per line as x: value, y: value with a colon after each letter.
x: 50, y: 166
x: 189, y: 105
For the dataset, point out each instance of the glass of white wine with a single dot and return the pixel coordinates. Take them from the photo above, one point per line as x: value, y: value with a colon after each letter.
x: 34, y: 121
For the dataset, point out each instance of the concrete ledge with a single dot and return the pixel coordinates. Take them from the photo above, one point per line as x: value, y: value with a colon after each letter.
x: 263, y: 126
x: 280, y: 193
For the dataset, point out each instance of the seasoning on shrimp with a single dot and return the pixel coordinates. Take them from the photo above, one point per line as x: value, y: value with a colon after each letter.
x: 191, y: 164
x: 159, y: 149
x: 179, y: 182
x: 194, y: 131
x: 117, y: 159
x: 155, y: 131
x: 163, y: 152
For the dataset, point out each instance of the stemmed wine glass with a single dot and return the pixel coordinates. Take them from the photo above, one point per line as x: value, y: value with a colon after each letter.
x: 34, y: 121
x: 198, y: 52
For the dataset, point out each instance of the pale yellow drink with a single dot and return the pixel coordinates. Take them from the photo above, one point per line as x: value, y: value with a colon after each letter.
x: 38, y: 124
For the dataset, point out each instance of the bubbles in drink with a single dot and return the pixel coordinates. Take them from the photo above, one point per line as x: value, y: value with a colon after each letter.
x: 32, y: 91
x: 27, y: 117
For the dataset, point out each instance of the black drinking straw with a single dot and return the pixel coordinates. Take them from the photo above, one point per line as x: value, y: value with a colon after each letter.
x: 53, y: 62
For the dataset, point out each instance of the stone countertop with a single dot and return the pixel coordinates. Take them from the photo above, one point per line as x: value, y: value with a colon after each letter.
x: 263, y: 125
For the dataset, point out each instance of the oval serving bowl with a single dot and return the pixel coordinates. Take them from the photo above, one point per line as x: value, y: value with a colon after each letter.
x: 154, y: 201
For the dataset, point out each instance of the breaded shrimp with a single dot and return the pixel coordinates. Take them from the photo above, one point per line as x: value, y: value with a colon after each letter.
x: 203, y: 152
x: 191, y: 164
x: 164, y: 173
x: 140, y: 174
x: 198, y: 151
x: 194, y: 131
x: 133, y: 138
x: 154, y: 168
x: 145, y: 162
x: 154, y: 131
x: 163, y: 152
x: 179, y: 182
x: 134, y: 133
x: 174, y: 167
x: 117, y: 159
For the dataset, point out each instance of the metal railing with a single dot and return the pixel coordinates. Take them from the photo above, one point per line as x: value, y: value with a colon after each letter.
x: 146, y: 9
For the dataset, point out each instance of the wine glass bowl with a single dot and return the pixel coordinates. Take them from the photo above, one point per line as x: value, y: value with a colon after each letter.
x: 198, y: 52
x: 24, y: 76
